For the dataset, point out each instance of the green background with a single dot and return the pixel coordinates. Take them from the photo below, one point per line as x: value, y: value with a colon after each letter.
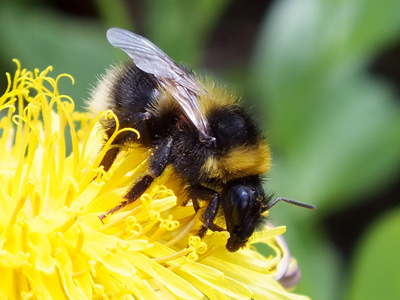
x: 307, y: 70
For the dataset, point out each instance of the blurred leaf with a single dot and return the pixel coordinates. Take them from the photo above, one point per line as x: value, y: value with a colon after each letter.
x: 377, y: 264
x: 182, y: 32
x: 39, y: 38
x: 115, y: 13
x: 334, y: 129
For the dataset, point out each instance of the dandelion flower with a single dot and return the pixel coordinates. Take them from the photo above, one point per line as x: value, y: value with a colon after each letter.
x: 53, y: 244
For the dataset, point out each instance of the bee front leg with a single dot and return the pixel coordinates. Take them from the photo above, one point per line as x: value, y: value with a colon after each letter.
x: 209, y: 215
x: 201, y: 193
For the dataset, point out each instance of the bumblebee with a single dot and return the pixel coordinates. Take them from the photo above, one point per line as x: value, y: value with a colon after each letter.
x: 200, y: 129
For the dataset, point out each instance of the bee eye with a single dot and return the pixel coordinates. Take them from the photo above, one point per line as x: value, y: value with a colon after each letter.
x: 242, y: 200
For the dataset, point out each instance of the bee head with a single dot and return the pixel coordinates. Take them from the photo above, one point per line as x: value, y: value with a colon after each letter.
x: 243, y: 203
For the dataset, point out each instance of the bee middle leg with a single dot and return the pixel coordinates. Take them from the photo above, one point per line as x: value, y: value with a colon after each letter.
x: 159, y: 160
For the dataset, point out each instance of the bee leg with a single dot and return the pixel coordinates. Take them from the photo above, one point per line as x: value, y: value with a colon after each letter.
x: 157, y: 164
x: 215, y: 227
x: 211, y: 211
x: 158, y: 161
x: 160, y: 158
x: 196, y: 204
x: 109, y: 158
x: 137, y: 190
x: 121, y: 138
x: 112, y: 153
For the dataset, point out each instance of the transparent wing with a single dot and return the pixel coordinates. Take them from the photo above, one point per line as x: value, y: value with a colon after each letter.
x: 151, y: 59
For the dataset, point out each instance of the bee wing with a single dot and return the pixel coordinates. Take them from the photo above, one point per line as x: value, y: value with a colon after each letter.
x: 151, y: 59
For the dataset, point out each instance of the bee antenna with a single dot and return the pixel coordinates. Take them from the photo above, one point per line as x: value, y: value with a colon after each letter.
x: 278, y: 199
